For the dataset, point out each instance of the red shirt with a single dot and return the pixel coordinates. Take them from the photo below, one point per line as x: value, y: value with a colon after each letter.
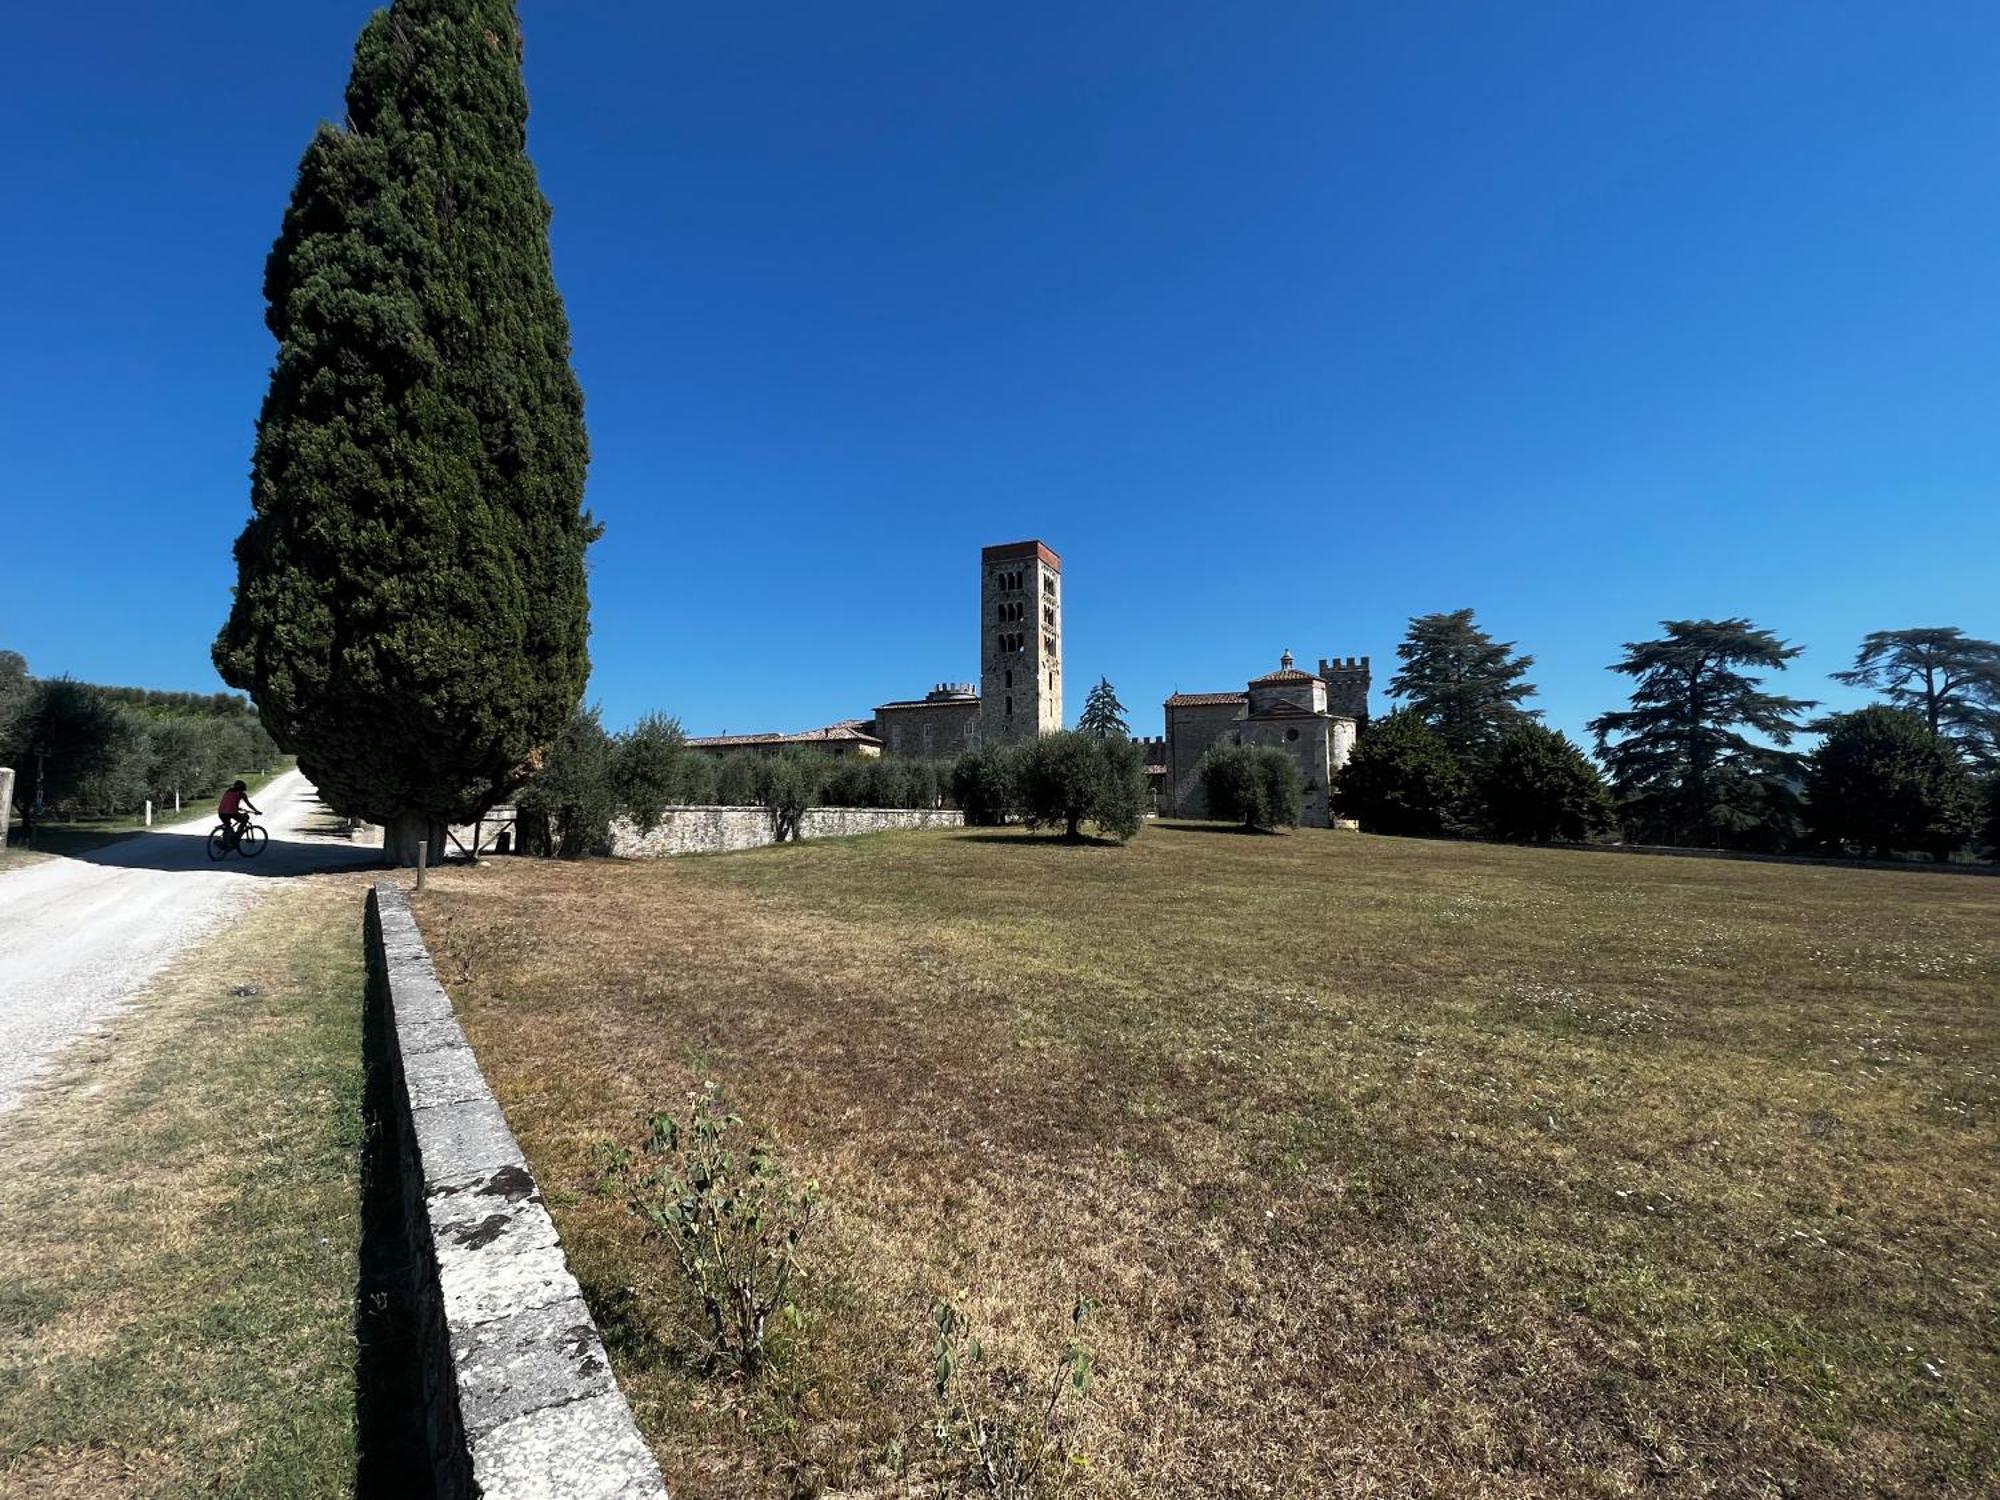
x: 231, y: 800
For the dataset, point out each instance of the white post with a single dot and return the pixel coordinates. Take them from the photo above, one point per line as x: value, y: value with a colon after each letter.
x: 177, y: 799
x: 423, y: 858
x: 149, y: 812
x: 6, y: 802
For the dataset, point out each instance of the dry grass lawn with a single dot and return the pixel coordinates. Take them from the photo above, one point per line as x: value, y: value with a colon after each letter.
x: 1399, y: 1168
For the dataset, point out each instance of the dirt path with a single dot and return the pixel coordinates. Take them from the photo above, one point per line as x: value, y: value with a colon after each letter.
x: 78, y: 936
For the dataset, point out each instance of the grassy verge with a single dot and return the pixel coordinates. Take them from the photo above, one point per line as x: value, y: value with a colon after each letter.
x: 177, y: 1277
x: 1399, y: 1168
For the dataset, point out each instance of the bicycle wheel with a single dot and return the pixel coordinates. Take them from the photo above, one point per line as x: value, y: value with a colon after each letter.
x: 253, y: 841
x: 218, y: 844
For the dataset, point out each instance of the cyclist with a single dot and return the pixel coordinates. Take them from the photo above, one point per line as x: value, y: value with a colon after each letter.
x: 231, y: 810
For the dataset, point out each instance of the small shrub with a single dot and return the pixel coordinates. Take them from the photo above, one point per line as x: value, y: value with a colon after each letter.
x: 1068, y: 779
x: 789, y: 784
x: 731, y: 1218
x: 986, y: 784
x: 1256, y: 785
x: 997, y: 1431
x: 736, y: 780
x: 567, y: 809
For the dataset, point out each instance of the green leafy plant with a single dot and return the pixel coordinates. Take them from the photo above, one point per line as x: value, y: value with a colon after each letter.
x: 998, y: 1431
x: 732, y: 1218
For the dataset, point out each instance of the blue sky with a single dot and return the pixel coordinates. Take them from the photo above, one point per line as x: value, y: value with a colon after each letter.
x: 1281, y: 322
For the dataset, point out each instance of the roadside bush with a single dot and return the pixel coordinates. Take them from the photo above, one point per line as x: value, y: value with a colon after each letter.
x: 998, y: 1431
x: 986, y: 785
x: 1402, y: 779
x: 1536, y: 785
x: 730, y: 1217
x: 1881, y: 783
x: 1070, y: 779
x: 1992, y: 828
x: 1255, y: 785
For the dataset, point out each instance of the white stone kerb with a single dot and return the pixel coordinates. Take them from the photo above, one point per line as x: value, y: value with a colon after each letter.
x: 540, y: 1411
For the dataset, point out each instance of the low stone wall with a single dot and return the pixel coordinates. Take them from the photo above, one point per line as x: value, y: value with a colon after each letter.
x: 714, y: 830
x: 516, y: 1395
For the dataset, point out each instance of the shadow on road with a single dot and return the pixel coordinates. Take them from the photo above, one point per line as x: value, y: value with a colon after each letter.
x: 188, y: 853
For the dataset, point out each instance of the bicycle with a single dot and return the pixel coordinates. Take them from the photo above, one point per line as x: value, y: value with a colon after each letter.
x: 224, y: 840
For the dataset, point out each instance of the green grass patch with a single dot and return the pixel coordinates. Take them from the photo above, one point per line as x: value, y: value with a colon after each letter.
x: 178, y: 1275
x: 1399, y: 1168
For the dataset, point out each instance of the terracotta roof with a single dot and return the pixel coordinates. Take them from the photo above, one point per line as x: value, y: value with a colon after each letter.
x: 1287, y: 674
x: 1156, y: 770
x: 1010, y: 551
x: 721, y: 741
x: 1204, y: 700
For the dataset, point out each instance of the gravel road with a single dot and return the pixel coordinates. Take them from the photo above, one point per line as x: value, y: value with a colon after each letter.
x: 79, y: 936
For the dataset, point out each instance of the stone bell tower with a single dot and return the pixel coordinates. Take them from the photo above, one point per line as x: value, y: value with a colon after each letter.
x: 1020, y: 642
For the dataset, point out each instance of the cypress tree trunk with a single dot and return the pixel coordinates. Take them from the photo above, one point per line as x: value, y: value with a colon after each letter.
x: 411, y: 611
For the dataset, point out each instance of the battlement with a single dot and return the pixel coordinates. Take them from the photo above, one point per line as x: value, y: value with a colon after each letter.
x: 1347, y: 679
x: 946, y: 692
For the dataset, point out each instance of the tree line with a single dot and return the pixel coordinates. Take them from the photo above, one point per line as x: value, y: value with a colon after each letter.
x: 1702, y: 756
x: 82, y: 749
x: 591, y: 777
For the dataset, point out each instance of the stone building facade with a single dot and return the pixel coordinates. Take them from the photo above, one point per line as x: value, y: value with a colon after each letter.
x: 944, y: 722
x: 1313, y: 717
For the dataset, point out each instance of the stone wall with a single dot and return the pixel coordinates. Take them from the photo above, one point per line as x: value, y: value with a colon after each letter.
x: 512, y: 1396
x: 717, y: 830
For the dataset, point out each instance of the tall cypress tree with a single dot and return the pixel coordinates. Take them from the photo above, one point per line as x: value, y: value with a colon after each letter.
x: 411, y: 609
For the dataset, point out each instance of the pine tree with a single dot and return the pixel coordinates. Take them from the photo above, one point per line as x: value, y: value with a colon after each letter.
x: 1465, y: 686
x: 1681, y: 758
x: 411, y: 610
x: 1942, y: 673
x: 1103, y: 714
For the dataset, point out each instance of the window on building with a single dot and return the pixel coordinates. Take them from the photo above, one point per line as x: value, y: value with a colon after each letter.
x: 1291, y: 734
x: 1010, y: 678
x: 1010, y: 705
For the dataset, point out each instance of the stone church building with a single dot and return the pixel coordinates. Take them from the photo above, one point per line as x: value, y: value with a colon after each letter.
x: 1312, y: 717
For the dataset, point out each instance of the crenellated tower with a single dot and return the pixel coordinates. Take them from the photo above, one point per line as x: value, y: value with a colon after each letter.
x: 1346, y: 679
